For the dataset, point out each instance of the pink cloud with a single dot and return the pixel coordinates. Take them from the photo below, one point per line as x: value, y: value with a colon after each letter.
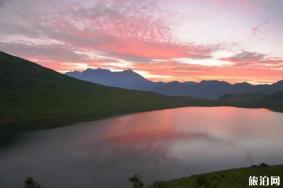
x: 122, y: 34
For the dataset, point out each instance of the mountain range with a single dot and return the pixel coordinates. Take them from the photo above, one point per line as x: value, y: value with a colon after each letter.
x: 207, y: 89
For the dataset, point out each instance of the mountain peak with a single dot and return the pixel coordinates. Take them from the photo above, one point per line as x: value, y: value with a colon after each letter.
x: 129, y: 71
x: 98, y: 70
x: 214, y: 82
x: 279, y: 82
x: 127, y: 79
x: 243, y: 84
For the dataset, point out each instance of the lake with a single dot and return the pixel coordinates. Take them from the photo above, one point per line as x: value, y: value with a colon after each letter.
x: 157, y: 145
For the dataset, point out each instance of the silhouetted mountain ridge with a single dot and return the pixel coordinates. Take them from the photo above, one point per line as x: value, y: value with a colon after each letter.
x: 126, y: 79
x: 207, y: 89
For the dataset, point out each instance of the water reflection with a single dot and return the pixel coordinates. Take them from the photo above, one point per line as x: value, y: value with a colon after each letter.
x: 161, y: 144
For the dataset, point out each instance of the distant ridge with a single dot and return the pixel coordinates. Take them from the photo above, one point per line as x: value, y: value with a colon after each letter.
x: 206, y: 89
x: 126, y: 79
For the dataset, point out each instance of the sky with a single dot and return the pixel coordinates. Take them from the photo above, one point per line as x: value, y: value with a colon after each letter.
x: 163, y: 40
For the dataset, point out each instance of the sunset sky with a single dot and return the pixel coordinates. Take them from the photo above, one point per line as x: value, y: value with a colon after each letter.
x: 163, y: 40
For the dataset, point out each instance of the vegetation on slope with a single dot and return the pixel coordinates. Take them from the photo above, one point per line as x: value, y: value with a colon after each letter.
x: 274, y: 101
x: 234, y: 178
x: 254, y: 100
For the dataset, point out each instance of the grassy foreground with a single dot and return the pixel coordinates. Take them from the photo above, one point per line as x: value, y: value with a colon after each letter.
x: 234, y: 178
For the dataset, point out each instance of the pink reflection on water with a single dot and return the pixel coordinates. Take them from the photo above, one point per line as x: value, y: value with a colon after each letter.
x: 174, y: 124
x: 189, y: 133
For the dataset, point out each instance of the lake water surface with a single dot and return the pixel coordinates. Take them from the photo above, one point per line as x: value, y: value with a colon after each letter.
x: 161, y: 144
